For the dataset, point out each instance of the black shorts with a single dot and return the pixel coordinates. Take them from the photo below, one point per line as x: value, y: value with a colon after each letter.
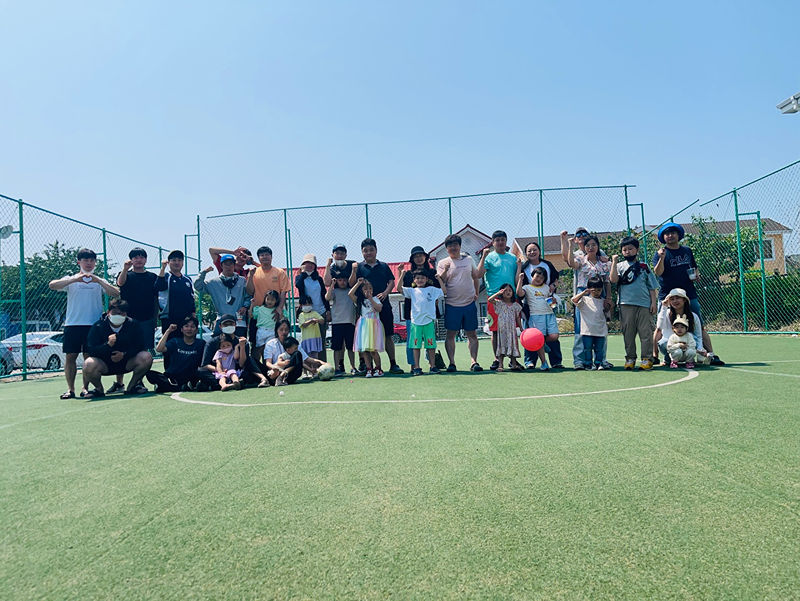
x: 387, y: 319
x: 76, y: 339
x: 116, y: 368
x: 342, y: 335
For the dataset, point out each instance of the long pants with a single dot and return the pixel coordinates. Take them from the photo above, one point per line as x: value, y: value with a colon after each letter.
x: 173, y: 382
x: 553, y: 350
x: 294, y: 367
x: 577, y: 345
x: 635, y: 321
x: 409, y: 350
x: 596, y: 344
x: 681, y: 356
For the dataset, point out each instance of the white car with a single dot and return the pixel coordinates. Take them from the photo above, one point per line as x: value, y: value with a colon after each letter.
x: 44, y: 350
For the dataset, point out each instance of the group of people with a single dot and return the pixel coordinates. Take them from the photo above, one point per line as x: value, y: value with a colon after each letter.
x: 252, y: 340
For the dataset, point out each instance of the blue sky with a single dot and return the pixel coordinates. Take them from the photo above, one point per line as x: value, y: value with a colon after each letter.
x: 137, y: 116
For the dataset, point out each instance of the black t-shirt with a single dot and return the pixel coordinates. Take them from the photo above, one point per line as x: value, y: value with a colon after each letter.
x: 184, y: 359
x: 408, y: 282
x: 344, y: 272
x: 141, y: 295
x: 676, y: 262
x: 378, y: 275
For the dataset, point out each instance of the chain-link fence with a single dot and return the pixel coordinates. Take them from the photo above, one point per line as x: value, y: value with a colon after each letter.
x: 36, y: 247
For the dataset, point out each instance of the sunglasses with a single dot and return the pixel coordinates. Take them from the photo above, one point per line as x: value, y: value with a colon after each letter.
x: 581, y: 234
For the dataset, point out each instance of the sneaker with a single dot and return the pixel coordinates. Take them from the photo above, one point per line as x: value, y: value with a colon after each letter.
x: 595, y: 367
x: 580, y: 367
x: 689, y: 365
x: 116, y: 387
x: 435, y: 370
x: 202, y: 387
x: 362, y: 368
x: 378, y: 373
x: 451, y: 369
x: 607, y: 365
x: 475, y: 367
x: 354, y: 372
x: 544, y: 366
x: 416, y: 371
x: 495, y: 364
x: 530, y: 366
x: 673, y: 365
x: 368, y: 374
x: 394, y: 369
x: 557, y: 366
x: 630, y: 364
x: 645, y: 364
x: 716, y: 360
x: 338, y: 373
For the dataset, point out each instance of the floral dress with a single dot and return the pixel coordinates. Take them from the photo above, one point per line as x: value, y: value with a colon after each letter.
x: 507, y: 338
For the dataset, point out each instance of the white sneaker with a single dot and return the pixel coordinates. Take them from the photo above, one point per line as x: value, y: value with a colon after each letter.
x: 369, y: 374
x: 544, y: 366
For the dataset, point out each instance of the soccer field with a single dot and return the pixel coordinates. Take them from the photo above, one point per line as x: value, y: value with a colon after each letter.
x: 553, y: 485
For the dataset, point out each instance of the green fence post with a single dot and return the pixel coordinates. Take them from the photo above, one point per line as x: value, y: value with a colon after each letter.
x: 627, y: 210
x: 644, y: 235
x: 739, y: 252
x: 763, y: 273
x: 291, y: 279
x: 23, y: 315
x: 366, y: 213
x: 541, y: 222
x: 199, y: 267
x: 450, y: 213
x: 160, y: 256
x: 105, y: 267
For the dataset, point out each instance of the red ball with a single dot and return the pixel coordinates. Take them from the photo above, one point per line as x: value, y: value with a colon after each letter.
x: 532, y: 339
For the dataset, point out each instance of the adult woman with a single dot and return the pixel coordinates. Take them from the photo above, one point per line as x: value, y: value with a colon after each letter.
x: 309, y: 283
x: 534, y: 259
x: 679, y: 304
x: 419, y: 259
x: 298, y: 361
x: 588, y: 265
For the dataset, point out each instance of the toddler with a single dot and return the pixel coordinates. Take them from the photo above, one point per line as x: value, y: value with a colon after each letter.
x: 508, y: 325
x: 309, y: 321
x: 369, y: 329
x: 229, y: 360
x: 594, y: 328
x: 537, y: 297
x: 681, y: 345
x: 266, y: 316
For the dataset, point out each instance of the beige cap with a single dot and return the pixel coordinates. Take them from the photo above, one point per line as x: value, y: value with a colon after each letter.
x: 676, y: 292
x: 681, y: 319
x: 309, y: 258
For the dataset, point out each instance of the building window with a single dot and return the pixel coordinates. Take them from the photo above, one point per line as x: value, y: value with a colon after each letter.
x: 768, y: 252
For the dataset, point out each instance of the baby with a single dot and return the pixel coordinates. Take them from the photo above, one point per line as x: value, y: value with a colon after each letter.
x: 681, y: 345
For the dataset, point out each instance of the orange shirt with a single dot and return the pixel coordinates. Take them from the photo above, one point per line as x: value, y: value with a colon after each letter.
x: 264, y: 281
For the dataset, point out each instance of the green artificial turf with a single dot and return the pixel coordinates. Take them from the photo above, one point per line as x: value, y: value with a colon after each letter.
x: 690, y: 490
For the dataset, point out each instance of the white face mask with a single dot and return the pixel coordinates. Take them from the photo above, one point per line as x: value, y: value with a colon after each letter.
x: 340, y: 262
x: 307, y: 308
x: 228, y: 329
x: 116, y: 320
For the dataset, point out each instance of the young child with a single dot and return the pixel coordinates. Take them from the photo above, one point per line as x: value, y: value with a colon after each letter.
x: 423, y: 316
x: 229, y: 360
x: 537, y: 295
x: 369, y: 329
x: 636, y: 289
x: 594, y: 328
x: 290, y: 346
x: 266, y: 315
x: 681, y: 345
x: 309, y: 321
x: 343, y: 323
x: 508, y: 322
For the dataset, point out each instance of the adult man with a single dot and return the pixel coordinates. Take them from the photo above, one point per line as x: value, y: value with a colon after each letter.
x: 382, y: 280
x: 84, y: 307
x: 251, y: 373
x: 227, y: 292
x: 267, y: 277
x: 185, y: 354
x: 137, y: 287
x: 497, y: 267
x: 338, y: 263
x: 581, y: 235
x: 460, y: 310
x: 244, y: 259
x: 116, y: 347
x: 175, y: 293
x: 675, y: 267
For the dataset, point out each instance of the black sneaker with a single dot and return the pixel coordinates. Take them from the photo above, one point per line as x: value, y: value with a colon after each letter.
x: 559, y: 366
x: 116, y: 387
x: 416, y: 371
x: 338, y: 373
x: 495, y: 364
x: 435, y: 370
x: 451, y: 369
x: 476, y: 367
x: 717, y: 361
x: 396, y: 369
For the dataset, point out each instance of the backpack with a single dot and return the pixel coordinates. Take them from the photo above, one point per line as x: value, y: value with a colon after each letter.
x: 629, y: 275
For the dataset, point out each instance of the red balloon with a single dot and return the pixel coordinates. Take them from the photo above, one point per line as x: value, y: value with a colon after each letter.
x: 532, y: 339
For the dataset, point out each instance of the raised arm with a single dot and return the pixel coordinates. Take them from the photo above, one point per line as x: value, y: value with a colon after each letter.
x: 520, y: 285
x: 162, y: 344
x: 60, y: 283
x: 480, y: 271
x: 614, y: 275
x: 659, y: 268
x: 200, y: 282
x: 326, y: 277
x: 354, y: 289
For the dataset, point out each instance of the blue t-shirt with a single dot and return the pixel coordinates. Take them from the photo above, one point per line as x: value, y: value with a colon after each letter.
x: 676, y: 262
x: 184, y: 358
x: 500, y: 269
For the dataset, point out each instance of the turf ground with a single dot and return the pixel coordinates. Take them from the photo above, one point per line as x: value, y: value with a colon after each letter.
x: 470, y: 485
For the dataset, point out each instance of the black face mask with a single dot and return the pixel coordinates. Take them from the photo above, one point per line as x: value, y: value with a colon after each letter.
x: 631, y: 259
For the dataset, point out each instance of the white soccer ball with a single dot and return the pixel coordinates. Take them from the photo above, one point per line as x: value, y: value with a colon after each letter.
x: 326, y: 372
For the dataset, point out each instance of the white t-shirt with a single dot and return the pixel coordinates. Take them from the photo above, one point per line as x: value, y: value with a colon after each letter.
x: 460, y: 280
x: 84, y: 302
x: 536, y: 298
x: 274, y: 349
x: 593, y: 319
x: 423, y: 303
x: 529, y: 271
x: 368, y: 311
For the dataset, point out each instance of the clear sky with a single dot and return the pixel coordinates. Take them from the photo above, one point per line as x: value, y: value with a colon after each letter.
x: 137, y: 116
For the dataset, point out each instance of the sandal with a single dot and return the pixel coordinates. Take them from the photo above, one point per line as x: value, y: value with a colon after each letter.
x: 116, y: 387
x: 517, y: 367
x: 264, y: 384
x: 69, y: 394
x: 94, y: 394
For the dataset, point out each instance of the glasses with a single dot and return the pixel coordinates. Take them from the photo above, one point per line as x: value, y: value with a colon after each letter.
x: 581, y: 234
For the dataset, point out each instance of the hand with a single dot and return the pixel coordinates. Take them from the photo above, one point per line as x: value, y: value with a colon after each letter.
x: 242, y: 340
x: 607, y: 304
x: 661, y: 252
x: 117, y: 356
x: 165, y: 263
x: 683, y: 345
x: 521, y: 277
x: 276, y: 313
x: 486, y: 252
x: 172, y: 327
x: 127, y: 265
x: 614, y: 258
x: 603, y: 259
x: 329, y: 262
x: 360, y: 281
x: 382, y: 296
x: 401, y: 273
x: 112, y: 340
x: 564, y: 234
x: 653, y: 308
x: 242, y: 311
x: 446, y: 267
x: 209, y: 269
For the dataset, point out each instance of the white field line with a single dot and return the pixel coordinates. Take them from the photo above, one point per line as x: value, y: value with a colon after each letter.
x: 36, y: 419
x: 766, y: 373
x: 689, y: 376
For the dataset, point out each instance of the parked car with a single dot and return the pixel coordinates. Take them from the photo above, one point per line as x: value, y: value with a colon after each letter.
x: 43, y: 350
x: 6, y: 361
x: 400, y: 333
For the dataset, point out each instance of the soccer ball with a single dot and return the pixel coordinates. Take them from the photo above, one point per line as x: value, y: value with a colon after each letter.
x: 326, y: 372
